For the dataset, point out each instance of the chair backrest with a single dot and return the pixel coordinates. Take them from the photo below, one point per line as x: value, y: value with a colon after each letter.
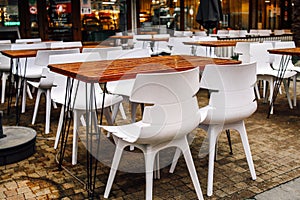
x: 4, y: 60
x: 264, y: 32
x: 277, y: 57
x: 5, y: 41
x: 66, y: 44
x: 243, y: 50
x: 101, y: 51
x: 231, y: 91
x: 22, y: 46
x: 178, y: 47
x: 187, y: 33
x: 178, y: 33
x: 42, y: 56
x: 175, y: 111
x: 131, y: 53
x: 161, y: 35
x: 259, y: 54
x: 60, y: 81
x: 222, y: 32
x: 278, y: 32
x: 29, y: 40
x: 200, y: 33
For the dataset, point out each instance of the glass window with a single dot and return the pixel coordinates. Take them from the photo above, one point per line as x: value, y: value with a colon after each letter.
x: 33, y: 18
x: 103, y: 18
x: 59, y: 19
x: 9, y: 13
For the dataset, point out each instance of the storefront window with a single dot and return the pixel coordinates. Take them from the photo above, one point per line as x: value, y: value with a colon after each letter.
x: 104, y: 18
x: 9, y: 13
x: 59, y: 19
x: 33, y: 18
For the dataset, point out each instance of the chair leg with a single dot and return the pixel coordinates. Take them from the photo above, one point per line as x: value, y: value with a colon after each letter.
x: 286, y: 88
x: 191, y: 167
x: 242, y: 130
x: 175, y: 160
x: 24, y: 97
x: 257, y: 91
x: 122, y: 111
x: 149, y: 165
x: 48, y: 111
x: 4, y: 79
x: 133, y: 111
x: 116, y: 108
x: 36, y: 106
x: 213, y: 135
x: 59, y: 127
x: 76, y: 118
x: 114, y: 166
x: 295, y: 89
x: 157, y: 166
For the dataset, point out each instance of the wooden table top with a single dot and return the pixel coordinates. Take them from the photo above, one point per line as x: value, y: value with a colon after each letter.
x: 121, y: 37
x: 286, y: 51
x: 218, y: 43
x: 26, y: 53
x: 111, y: 70
x: 153, y: 39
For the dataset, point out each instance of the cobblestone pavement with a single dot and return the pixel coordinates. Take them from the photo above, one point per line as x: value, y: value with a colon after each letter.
x: 274, y: 144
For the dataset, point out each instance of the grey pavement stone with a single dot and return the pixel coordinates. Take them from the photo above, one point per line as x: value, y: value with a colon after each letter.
x: 287, y: 191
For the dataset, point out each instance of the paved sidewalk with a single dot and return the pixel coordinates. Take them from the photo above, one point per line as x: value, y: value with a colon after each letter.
x: 287, y: 191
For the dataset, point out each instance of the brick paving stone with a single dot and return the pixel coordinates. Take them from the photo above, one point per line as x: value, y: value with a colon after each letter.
x: 274, y: 144
x: 2, y: 195
x: 29, y: 195
x: 12, y: 192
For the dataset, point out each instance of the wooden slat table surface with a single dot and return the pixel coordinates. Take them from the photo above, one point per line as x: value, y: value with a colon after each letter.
x: 111, y: 70
x: 121, y: 37
x: 286, y: 51
x: 217, y: 43
x: 26, y: 53
x: 153, y: 39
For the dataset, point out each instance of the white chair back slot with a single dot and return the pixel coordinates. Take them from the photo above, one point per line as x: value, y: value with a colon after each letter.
x: 42, y: 57
x: 30, y: 40
x: 21, y: 46
x: 178, y: 47
x: 66, y: 44
x: 5, y: 41
x: 259, y: 54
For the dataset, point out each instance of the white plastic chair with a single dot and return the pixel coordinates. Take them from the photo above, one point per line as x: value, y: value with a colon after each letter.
x: 290, y: 66
x: 29, y: 40
x: 4, y: 68
x: 124, y: 87
x: 73, y: 44
x: 231, y: 101
x: 5, y: 41
x: 102, y: 51
x: 79, y: 109
x: 27, y: 69
x: 45, y: 83
x: 177, y: 46
x: 259, y: 54
x: 165, y: 124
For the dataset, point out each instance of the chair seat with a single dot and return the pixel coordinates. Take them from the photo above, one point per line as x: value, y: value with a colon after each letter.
x: 122, y: 87
x: 232, y: 114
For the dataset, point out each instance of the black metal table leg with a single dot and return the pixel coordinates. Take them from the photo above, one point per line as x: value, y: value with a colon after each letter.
x: 278, y: 80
